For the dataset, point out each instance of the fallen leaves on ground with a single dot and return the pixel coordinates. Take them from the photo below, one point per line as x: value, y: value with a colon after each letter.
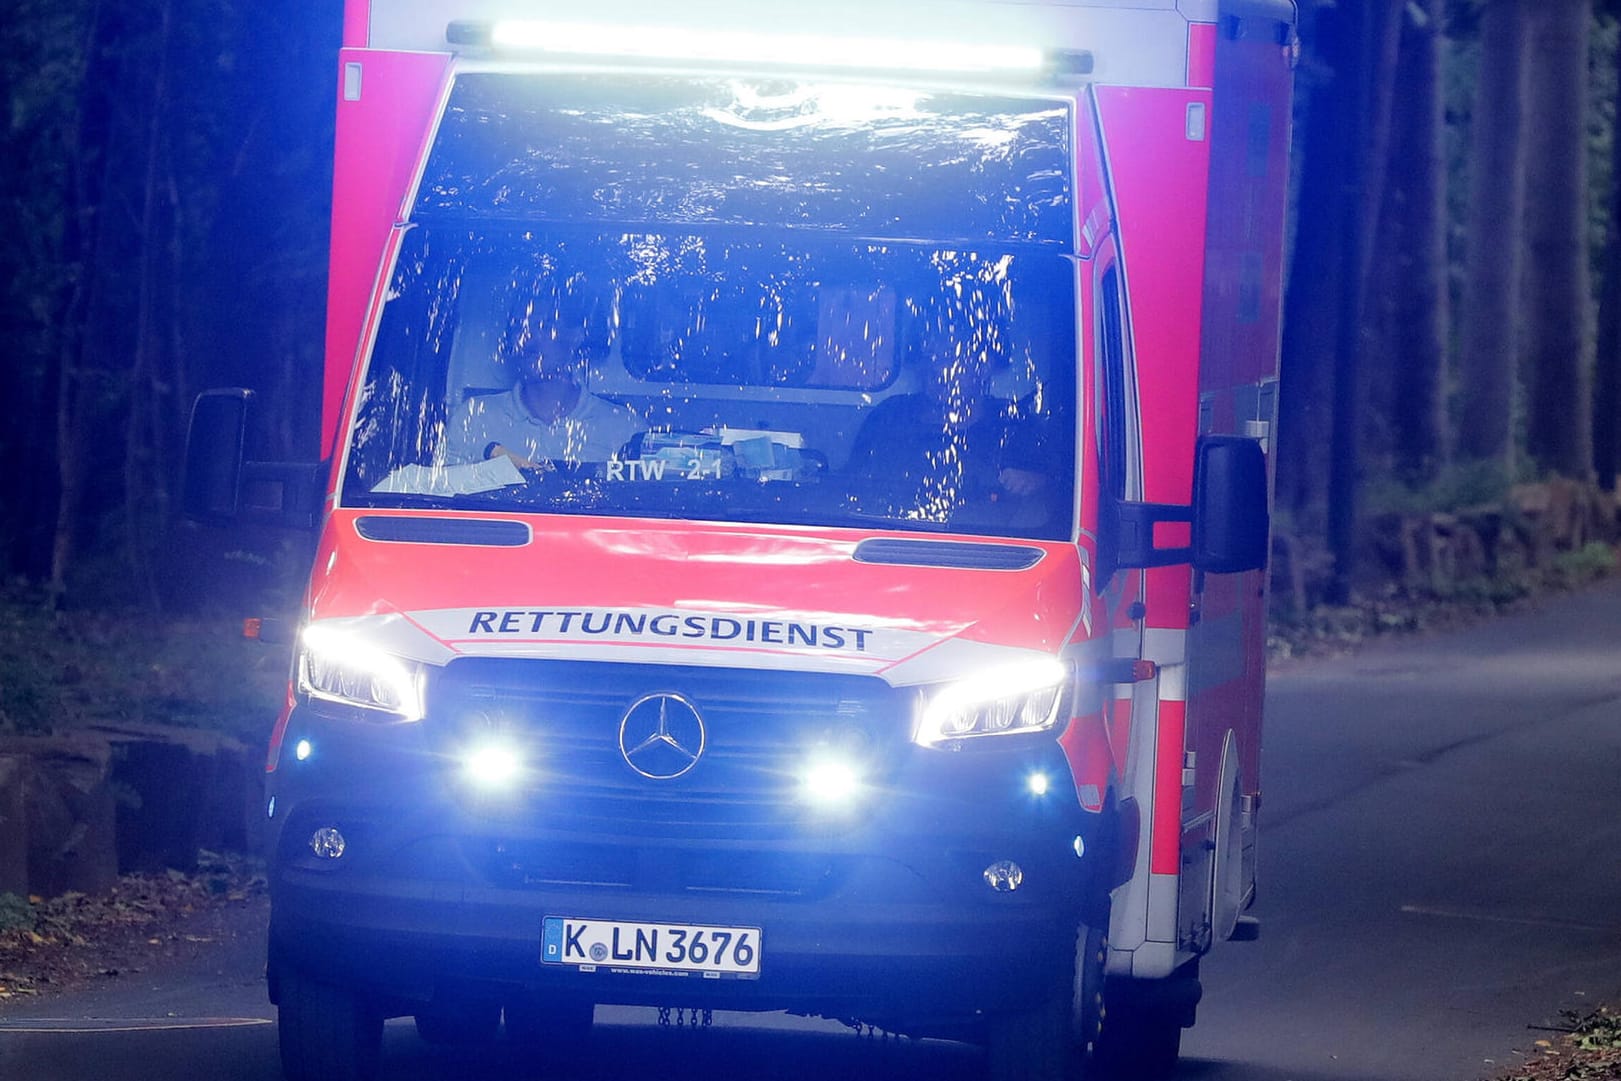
x: 65, y: 941
x: 1589, y: 1051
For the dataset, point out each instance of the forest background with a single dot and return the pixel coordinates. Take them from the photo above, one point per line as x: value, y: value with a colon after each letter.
x: 1452, y: 312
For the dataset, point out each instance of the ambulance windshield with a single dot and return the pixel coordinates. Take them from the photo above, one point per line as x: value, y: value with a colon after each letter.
x: 751, y: 330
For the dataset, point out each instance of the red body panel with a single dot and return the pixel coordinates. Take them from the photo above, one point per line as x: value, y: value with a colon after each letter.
x: 380, y: 141
x: 356, y: 25
x: 1159, y: 186
x: 1159, y: 182
x: 1202, y: 55
x: 1240, y: 339
x: 606, y: 563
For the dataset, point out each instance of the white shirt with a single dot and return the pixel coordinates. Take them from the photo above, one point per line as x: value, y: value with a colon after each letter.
x: 593, y: 431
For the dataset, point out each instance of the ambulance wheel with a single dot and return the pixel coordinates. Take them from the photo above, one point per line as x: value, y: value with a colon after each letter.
x: 1055, y: 1041
x: 459, y: 1022
x: 326, y: 1033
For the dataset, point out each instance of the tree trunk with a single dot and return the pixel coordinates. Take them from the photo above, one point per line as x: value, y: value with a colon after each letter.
x: 1489, y: 332
x: 83, y: 226
x: 1378, y: 33
x: 1311, y: 308
x: 1558, y: 347
x: 144, y: 495
x: 1412, y: 281
x: 1607, y: 369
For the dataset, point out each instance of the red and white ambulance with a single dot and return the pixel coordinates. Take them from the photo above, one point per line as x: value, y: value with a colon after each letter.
x: 795, y: 501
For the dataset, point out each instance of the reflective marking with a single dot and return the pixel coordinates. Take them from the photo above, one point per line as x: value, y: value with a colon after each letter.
x: 1165, y: 646
x: 125, y: 1024
x: 1518, y: 921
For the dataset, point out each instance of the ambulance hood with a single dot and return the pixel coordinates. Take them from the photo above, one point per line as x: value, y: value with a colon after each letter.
x: 908, y: 608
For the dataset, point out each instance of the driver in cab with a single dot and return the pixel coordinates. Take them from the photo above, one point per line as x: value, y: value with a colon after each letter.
x: 549, y: 416
x: 952, y: 444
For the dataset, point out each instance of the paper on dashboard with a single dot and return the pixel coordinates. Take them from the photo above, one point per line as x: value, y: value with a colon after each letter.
x: 469, y: 479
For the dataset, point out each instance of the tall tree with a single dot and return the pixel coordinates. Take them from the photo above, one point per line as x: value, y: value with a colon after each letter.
x: 1311, y: 309
x: 1406, y: 368
x: 1607, y: 366
x: 43, y: 60
x: 1558, y: 346
x: 1346, y: 135
x: 1377, y: 33
x: 1489, y: 330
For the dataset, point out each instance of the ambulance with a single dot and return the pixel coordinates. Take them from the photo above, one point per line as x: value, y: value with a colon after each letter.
x: 792, y: 513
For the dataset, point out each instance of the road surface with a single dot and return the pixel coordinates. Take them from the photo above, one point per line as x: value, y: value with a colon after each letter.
x: 1441, y: 862
x: 1441, y: 871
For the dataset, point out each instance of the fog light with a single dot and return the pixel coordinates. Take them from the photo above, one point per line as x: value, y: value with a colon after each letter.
x: 493, y: 766
x: 1038, y: 783
x: 328, y: 843
x: 830, y: 783
x: 302, y: 750
x: 1004, y: 876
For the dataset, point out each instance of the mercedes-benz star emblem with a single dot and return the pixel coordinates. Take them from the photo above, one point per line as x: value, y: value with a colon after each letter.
x: 662, y: 736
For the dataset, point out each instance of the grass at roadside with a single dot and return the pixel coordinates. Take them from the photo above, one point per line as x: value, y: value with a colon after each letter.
x: 1385, y: 610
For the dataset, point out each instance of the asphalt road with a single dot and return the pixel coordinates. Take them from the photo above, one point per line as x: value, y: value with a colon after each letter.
x: 1442, y: 856
x: 1441, y: 871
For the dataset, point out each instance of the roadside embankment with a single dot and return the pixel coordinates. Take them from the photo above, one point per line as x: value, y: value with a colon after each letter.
x: 78, y: 809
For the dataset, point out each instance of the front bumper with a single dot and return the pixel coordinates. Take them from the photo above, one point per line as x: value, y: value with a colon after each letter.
x: 878, y: 909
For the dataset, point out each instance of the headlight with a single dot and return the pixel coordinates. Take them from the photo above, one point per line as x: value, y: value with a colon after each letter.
x: 339, y: 666
x: 1012, y: 699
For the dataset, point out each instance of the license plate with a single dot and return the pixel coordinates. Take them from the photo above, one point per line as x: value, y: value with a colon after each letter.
x: 674, y: 949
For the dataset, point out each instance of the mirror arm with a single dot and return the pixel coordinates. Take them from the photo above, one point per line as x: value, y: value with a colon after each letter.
x: 1136, y: 536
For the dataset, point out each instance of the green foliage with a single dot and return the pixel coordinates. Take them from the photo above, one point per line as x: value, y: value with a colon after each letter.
x: 64, y: 670
x: 1588, y: 564
x: 16, y: 914
x: 26, y: 692
x: 1465, y: 484
x: 1599, y: 1030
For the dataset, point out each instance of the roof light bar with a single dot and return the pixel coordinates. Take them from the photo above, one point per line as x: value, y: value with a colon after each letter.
x: 750, y: 47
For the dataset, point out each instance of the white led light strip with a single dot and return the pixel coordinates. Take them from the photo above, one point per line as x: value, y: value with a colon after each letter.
x: 737, y: 46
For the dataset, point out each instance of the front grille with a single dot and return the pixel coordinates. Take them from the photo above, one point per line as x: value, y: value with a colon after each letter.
x: 761, y: 727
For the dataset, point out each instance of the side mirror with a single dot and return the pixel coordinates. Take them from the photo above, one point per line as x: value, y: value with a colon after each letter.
x: 1231, y: 523
x: 215, y: 444
x: 1229, y: 518
x: 220, y: 486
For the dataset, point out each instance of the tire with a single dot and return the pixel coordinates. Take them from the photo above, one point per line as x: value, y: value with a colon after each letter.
x: 1055, y: 1040
x: 463, y: 1023
x: 326, y: 1033
x: 1142, y: 1035
x: 1088, y: 1006
x: 540, y: 1022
